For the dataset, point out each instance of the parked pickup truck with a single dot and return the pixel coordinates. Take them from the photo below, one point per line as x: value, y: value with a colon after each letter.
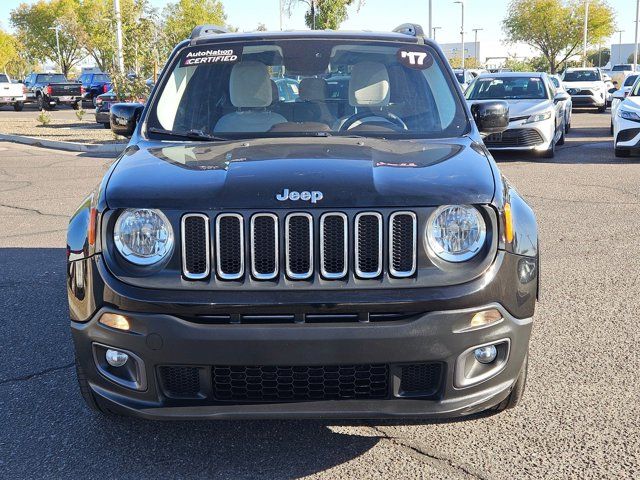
x: 49, y: 90
x: 12, y: 93
x: 94, y: 84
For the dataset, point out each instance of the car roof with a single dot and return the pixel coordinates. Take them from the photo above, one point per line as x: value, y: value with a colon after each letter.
x: 300, y: 34
x: 573, y: 69
x: 511, y: 74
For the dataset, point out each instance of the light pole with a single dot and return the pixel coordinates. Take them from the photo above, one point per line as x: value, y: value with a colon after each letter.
x: 57, y: 29
x: 475, y: 45
x: 431, y: 19
x: 584, y: 36
x: 635, y: 50
x: 116, y: 11
x: 619, y: 32
x: 434, y: 29
x: 281, y: 8
x: 461, y: 2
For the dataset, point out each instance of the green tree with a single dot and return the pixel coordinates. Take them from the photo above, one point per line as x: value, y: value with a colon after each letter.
x: 183, y: 16
x: 324, y: 14
x: 34, y: 25
x: 8, y: 50
x: 555, y: 27
x: 599, y: 57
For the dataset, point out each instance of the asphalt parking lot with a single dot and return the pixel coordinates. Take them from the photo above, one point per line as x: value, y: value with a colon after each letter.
x: 580, y: 417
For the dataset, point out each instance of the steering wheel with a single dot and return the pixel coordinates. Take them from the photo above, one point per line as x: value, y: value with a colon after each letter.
x: 396, y: 120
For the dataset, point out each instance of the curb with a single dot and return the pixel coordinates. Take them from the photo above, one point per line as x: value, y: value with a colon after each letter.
x: 115, y: 148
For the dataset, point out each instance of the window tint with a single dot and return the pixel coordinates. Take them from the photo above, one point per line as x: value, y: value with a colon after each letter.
x: 630, y: 80
x: 4, y: 78
x: 51, y: 78
x: 581, y: 76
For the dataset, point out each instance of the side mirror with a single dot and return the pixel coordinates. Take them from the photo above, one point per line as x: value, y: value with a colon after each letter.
x: 124, y: 118
x: 491, y: 117
x: 612, y: 90
x: 561, y: 97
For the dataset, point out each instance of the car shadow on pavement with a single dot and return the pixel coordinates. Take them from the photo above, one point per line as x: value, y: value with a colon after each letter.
x: 47, y: 431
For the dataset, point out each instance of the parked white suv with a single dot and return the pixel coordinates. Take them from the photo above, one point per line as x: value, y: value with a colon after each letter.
x: 586, y: 86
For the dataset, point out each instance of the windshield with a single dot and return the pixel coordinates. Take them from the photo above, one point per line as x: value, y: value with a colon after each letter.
x: 460, y: 76
x: 4, y: 78
x: 507, y: 88
x: 581, y: 76
x: 555, y: 81
x: 51, y: 78
x: 629, y: 80
x: 621, y: 68
x: 307, y: 87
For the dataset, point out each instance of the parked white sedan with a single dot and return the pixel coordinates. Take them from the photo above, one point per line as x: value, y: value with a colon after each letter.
x: 626, y: 123
x: 567, y: 105
x: 536, y: 115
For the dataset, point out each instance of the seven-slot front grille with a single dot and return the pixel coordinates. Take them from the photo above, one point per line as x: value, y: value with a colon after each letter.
x: 293, y: 245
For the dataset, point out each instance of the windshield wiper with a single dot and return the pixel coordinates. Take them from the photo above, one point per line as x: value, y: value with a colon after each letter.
x: 189, y: 135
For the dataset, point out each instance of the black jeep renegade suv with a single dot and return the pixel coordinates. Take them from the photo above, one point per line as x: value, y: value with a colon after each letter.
x: 349, y: 249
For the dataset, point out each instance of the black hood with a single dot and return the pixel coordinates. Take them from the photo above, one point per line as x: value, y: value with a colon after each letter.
x: 349, y: 172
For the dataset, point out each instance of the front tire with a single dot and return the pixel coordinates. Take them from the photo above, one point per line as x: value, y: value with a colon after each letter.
x: 40, y: 103
x: 622, y: 153
x: 106, y: 125
x: 561, y: 139
x: 517, y: 391
x: 602, y: 108
x: 87, y: 393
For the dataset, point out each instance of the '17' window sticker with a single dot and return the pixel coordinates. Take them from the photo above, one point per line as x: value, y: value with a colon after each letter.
x: 417, y: 59
x: 209, y: 57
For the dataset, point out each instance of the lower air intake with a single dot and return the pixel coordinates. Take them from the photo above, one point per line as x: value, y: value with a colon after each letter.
x: 281, y: 383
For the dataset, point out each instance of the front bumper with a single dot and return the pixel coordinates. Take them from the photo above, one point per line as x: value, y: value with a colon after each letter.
x: 588, y: 100
x: 169, y: 340
x: 164, y: 332
x: 524, y: 137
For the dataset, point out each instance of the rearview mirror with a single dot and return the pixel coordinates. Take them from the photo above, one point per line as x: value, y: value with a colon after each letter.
x: 124, y: 117
x: 491, y: 117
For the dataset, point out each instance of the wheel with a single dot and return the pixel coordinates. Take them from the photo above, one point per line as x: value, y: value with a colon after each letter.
x: 611, y: 128
x: 602, y: 109
x: 87, y: 394
x: 106, y: 125
x: 622, y: 153
x: 40, y: 102
x: 567, y: 124
x: 551, y: 151
x: 76, y: 106
x: 18, y: 106
x: 517, y: 391
x: 561, y: 139
x: 93, y: 101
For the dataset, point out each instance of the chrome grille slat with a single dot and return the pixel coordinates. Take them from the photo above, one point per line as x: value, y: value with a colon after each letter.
x: 264, y: 246
x: 368, y: 244
x: 334, y: 245
x: 196, y: 246
x: 299, y: 234
x: 230, y: 249
x: 403, y: 237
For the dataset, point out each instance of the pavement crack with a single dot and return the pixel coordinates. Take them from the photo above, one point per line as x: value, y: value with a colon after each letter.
x: 31, y: 376
x: 33, y: 210
x: 422, y: 452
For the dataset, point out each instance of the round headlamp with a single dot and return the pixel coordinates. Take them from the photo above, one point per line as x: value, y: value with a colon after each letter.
x: 456, y: 233
x: 143, y: 236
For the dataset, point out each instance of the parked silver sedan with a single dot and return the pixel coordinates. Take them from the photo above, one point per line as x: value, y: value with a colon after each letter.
x: 567, y: 104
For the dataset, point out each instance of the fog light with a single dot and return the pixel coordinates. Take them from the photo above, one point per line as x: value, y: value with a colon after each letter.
x: 483, y: 354
x: 118, y: 359
x: 114, y: 320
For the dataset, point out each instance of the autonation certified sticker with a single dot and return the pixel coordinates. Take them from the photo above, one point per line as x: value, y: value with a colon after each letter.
x: 209, y: 56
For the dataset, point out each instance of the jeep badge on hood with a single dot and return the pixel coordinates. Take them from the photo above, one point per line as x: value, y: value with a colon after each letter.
x: 313, y: 196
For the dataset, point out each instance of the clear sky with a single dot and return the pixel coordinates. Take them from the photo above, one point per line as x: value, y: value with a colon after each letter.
x: 385, y: 15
